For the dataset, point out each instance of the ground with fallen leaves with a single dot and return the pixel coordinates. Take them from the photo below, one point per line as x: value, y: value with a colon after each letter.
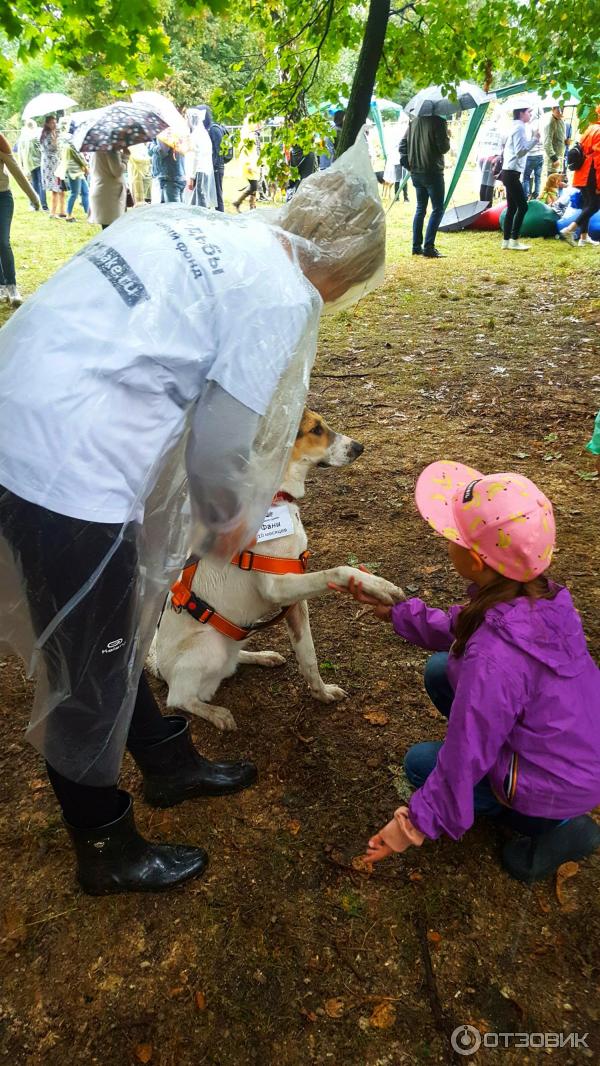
x: 287, y: 952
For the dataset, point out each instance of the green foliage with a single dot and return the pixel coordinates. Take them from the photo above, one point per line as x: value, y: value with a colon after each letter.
x: 206, y: 52
x: 548, y: 43
x: 112, y: 37
x: 28, y: 80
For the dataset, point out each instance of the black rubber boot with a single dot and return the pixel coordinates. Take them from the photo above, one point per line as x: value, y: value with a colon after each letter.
x: 115, y: 858
x: 536, y: 858
x: 174, y: 771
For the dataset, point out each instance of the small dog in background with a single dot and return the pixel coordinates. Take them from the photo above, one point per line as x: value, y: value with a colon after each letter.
x: 194, y: 656
x: 551, y: 190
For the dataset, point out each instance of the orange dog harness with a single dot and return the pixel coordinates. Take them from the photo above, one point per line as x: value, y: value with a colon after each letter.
x: 183, y: 599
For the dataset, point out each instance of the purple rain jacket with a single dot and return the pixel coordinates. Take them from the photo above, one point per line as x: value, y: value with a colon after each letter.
x: 526, y: 712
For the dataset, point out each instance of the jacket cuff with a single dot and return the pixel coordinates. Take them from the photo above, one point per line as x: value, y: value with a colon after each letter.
x: 400, y: 833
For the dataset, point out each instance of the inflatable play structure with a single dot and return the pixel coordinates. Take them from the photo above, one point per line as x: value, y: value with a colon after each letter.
x: 540, y: 220
x: 489, y: 219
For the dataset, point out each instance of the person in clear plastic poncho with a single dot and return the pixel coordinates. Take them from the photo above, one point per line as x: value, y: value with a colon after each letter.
x: 152, y: 416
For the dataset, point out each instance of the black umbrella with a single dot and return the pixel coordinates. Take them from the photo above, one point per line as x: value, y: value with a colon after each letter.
x: 117, y: 126
x: 457, y: 218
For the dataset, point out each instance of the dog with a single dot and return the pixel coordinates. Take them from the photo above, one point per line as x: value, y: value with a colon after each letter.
x: 194, y: 658
x: 551, y: 190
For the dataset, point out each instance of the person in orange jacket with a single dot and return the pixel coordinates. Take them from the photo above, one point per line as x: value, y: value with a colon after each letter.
x: 587, y: 178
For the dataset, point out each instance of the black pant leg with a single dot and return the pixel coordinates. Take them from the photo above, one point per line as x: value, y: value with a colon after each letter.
x: 89, y: 655
x: 219, y: 187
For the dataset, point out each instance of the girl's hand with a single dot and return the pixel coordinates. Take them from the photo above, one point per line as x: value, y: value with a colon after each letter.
x: 354, y: 588
x: 377, y: 849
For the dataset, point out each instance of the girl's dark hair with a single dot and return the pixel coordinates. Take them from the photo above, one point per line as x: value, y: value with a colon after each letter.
x: 46, y: 131
x: 518, y: 111
x: 501, y: 590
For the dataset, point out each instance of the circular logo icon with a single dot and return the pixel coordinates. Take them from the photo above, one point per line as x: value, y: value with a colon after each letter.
x: 466, y: 1040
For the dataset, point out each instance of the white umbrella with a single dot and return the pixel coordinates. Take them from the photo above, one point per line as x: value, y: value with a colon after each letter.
x: 162, y: 106
x: 520, y: 101
x: 433, y: 101
x: 46, y: 103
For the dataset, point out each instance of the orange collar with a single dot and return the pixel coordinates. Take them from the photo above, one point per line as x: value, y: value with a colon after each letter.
x: 183, y: 599
x: 270, y: 564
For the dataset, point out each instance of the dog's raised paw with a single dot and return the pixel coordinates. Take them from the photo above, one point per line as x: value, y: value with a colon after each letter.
x: 383, y: 590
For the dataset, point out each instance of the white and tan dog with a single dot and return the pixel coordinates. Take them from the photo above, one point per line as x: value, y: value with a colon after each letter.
x: 194, y: 658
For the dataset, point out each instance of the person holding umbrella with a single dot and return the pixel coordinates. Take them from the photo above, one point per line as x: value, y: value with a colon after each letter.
x: 517, y: 146
x: 108, y: 188
x: 107, y: 135
x: 422, y: 151
x: 155, y: 415
x: 50, y: 149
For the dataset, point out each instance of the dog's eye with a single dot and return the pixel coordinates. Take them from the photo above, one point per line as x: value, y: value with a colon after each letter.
x: 317, y: 430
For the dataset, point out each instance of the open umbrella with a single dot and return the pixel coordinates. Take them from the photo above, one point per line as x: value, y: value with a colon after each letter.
x: 46, y: 103
x: 457, y: 218
x: 177, y: 134
x: 116, y: 127
x: 161, y: 105
x: 433, y: 101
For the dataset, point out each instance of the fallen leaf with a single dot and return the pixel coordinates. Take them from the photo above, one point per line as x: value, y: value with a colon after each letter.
x: 362, y: 866
x: 14, y: 927
x: 377, y: 717
x: 308, y: 1014
x: 334, y: 1008
x: 174, y: 993
x: 143, y: 1052
x: 200, y: 1000
x: 433, y: 937
x: 294, y: 827
x: 383, y: 1016
x: 566, y: 870
x: 415, y: 876
x: 431, y: 569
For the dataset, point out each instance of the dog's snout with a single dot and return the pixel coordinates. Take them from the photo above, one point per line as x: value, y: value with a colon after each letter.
x: 356, y: 449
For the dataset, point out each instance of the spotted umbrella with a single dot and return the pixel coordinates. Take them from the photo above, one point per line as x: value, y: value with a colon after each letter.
x: 118, y: 126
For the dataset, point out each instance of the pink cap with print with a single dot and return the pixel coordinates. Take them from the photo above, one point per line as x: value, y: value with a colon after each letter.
x: 503, y: 517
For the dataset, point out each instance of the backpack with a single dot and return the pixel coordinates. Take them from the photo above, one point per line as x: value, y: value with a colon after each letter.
x: 575, y: 157
x: 226, y: 153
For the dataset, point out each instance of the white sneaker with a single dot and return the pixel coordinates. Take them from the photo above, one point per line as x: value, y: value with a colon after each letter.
x: 4, y: 297
x: 587, y: 240
x: 569, y: 238
x: 505, y: 245
x: 14, y: 296
x: 516, y: 246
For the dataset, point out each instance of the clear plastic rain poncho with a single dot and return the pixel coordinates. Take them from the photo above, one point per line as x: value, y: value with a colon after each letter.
x: 199, y: 160
x: 150, y: 394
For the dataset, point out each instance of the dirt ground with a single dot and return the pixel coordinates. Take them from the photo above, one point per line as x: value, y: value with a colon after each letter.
x: 284, y: 953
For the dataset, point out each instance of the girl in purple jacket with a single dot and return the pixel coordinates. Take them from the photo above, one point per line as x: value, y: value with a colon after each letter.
x: 511, y: 673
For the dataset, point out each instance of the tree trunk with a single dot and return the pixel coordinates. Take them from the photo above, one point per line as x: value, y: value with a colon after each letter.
x: 365, y: 73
